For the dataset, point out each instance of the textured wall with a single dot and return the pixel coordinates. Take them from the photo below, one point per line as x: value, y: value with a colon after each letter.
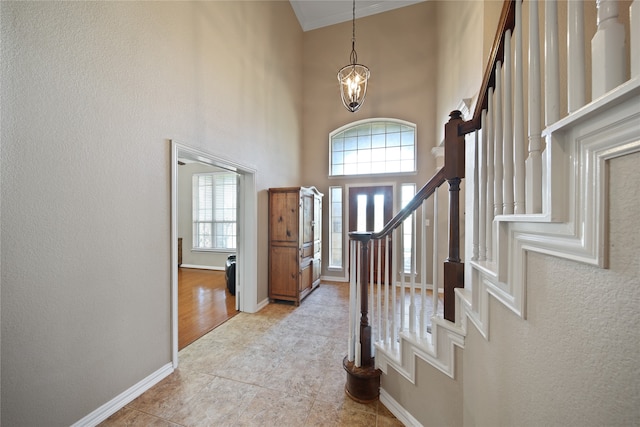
x: 91, y: 94
x: 460, y: 61
x: 435, y: 399
x: 574, y: 360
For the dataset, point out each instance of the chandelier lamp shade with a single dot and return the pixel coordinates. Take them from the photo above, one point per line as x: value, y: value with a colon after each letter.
x: 354, y: 77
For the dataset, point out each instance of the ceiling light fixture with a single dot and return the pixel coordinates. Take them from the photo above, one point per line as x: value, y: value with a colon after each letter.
x: 353, y: 78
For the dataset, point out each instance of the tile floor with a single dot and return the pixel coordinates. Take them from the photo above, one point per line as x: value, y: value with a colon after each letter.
x: 279, y: 367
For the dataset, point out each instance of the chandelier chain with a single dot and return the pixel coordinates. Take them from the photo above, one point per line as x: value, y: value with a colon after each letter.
x: 353, y: 77
x: 354, y: 55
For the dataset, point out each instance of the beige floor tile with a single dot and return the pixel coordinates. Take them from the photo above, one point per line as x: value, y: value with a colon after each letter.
x: 170, y: 394
x: 220, y: 403
x: 279, y: 367
x: 274, y: 408
x: 388, y: 422
x: 134, y: 418
x: 297, y: 378
x: 207, y: 358
x: 326, y: 414
x: 253, y: 365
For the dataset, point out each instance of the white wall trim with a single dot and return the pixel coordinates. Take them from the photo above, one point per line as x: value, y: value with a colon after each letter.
x: 437, y: 350
x: 573, y: 223
x: 334, y: 279
x: 247, y: 251
x: 202, y: 267
x: 572, y: 226
x: 262, y: 304
x: 396, y: 409
x: 127, y: 396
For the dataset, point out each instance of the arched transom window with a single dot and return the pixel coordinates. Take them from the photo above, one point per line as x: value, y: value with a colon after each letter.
x: 373, y: 146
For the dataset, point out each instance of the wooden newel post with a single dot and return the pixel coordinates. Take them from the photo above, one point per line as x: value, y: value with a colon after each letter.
x: 363, y: 382
x: 454, y: 172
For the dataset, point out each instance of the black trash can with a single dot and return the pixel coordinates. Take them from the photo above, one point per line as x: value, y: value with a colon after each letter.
x: 230, y: 274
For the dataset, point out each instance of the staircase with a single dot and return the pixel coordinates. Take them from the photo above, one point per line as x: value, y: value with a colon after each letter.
x: 534, y: 183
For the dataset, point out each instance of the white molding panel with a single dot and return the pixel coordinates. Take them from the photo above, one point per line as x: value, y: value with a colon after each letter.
x: 572, y: 225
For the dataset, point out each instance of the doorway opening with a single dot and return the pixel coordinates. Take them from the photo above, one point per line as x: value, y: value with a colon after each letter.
x: 246, y: 236
x: 369, y: 209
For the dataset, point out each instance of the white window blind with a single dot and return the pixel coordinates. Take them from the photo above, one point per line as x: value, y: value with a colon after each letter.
x: 214, y: 211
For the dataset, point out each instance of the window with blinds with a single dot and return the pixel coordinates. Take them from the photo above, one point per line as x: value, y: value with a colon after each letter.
x: 214, y: 211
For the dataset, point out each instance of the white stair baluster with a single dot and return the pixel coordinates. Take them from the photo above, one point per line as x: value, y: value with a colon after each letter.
x: 518, y: 118
x: 412, y: 276
x: 576, y: 81
x: 371, y: 304
x: 403, y: 321
x: 423, y: 270
x: 482, y: 185
x: 551, y: 65
x: 359, y: 260
x: 378, y: 297
x: 475, y: 256
x: 634, y: 38
x: 490, y: 142
x: 436, y: 263
x: 507, y: 137
x: 608, y: 54
x: 534, y: 162
x: 352, y: 301
x: 394, y: 302
x: 387, y: 339
x: 497, y: 158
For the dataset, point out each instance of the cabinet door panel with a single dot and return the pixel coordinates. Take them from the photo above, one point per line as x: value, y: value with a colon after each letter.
x: 306, y: 276
x: 307, y: 219
x: 317, y: 270
x: 283, y: 271
x: 283, y: 217
x: 307, y: 251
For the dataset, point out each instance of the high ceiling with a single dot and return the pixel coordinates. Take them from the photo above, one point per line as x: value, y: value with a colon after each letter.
x: 314, y: 14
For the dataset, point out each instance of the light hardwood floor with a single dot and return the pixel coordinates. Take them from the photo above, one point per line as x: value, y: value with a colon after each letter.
x: 203, y: 303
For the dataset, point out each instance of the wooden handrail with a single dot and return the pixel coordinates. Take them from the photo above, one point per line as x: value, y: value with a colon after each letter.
x: 425, y: 192
x: 453, y: 168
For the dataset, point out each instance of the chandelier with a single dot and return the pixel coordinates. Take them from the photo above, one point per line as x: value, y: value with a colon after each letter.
x: 353, y: 78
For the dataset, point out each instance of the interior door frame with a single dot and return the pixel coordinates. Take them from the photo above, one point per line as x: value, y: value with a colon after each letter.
x: 247, y: 233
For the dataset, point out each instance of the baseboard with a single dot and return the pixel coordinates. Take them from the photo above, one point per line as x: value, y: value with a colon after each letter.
x: 262, y: 304
x: 334, y: 279
x: 396, y: 409
x: 127, y: 396
x: 201, y: 267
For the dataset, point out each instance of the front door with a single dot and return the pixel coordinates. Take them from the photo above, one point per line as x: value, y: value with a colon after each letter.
x: 370, y: 208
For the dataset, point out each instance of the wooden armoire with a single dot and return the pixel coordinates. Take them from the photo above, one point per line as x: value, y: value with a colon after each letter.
x: 295, y: 242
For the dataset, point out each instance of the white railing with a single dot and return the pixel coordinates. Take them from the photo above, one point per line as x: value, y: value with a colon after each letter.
x: 506, y: 185
x: 408, y: 303
x: 517, y: 183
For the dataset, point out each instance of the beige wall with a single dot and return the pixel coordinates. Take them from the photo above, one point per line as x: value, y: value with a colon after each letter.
x: 399, y: 47
x: 435, y: 399
x: 460, y: 59
x: 574, y: 360
x: 91, y: 94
